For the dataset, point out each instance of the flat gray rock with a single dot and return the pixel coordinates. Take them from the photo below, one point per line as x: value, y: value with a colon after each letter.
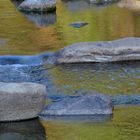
x: 20, y: 101
x: 102, y: 51
x: 37, y: 5
x: 82, y: 105
x: 103, y: 1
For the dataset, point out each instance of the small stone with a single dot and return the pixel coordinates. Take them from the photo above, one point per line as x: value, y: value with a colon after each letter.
x: 78, y: 24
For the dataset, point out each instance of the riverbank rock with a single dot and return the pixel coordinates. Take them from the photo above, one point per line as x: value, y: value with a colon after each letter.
x: 38, y: 6
x: 102, y: 51
x: 19, y: 101
x: 82, y: 105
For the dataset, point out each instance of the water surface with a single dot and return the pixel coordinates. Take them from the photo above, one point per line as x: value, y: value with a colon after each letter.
x: 33, y: 34
x: 29, y: 34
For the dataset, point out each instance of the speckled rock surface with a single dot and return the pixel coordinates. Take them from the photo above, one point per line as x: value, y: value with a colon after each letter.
x: 20, y: 101
x: 102, y: 51
x: 38, y: 6
x: 82, y: 105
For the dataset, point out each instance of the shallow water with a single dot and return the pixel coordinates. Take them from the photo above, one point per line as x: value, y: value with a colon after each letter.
x: 29, y: 34
x: 123, y: 126
x: 25, y: 36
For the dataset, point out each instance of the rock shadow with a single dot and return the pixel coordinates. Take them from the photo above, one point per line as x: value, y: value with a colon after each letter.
x: 30, y: 129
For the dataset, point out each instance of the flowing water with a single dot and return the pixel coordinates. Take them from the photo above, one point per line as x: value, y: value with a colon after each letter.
x: 30, y: 34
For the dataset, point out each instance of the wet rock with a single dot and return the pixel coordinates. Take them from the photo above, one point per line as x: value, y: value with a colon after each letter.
x: 102, y: 51
x: 38, y: 5
x: 82, y: 105
x: 78, y: 24
x: 20, y: 101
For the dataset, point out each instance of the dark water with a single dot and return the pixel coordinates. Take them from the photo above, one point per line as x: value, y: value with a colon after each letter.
x: 26, y: 130
x: 29, y: 34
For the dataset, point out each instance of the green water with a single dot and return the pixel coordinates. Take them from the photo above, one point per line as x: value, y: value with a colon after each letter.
x: 23, y: 37
x: 105, y: 23
x: 125, y: 125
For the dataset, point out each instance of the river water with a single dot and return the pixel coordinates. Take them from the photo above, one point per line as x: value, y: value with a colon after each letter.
x: 32, y: 34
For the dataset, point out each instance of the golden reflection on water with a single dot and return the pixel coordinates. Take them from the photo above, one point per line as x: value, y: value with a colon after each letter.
x: 24, y: 37
x: 125, y: 125
x: 106, y: 79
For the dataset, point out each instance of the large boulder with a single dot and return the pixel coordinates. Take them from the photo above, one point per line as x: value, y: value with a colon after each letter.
x: 102, y: 51
x: 19, y: 101
x: 38, y: 6
x: 82, y: 105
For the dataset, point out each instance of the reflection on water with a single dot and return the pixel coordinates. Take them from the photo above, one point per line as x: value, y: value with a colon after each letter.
x: 79, y: 118
x: 78, y: 79
x: 125, y: 125
x: 79, y: 5
x: 41, y: 19
x: 24, y: 130
x: 26, y: 37
x: 113, y: 78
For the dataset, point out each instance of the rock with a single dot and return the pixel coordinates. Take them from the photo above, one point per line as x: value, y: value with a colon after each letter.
x: 133, y: 5
x: 23, y: 130
x: 38, y: 5
x: 102, y: 51
x: 82, y: 105
x: 20, y: 101
x: 102, y: 1
x: 78, y: 24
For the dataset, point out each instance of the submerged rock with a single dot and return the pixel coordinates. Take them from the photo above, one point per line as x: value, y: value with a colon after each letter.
x: 103, y: 1
x: 102, y: 51
x: 80, y: 105
x: 20, y: 101
x: 78, y: 24
x: 38, y: 5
